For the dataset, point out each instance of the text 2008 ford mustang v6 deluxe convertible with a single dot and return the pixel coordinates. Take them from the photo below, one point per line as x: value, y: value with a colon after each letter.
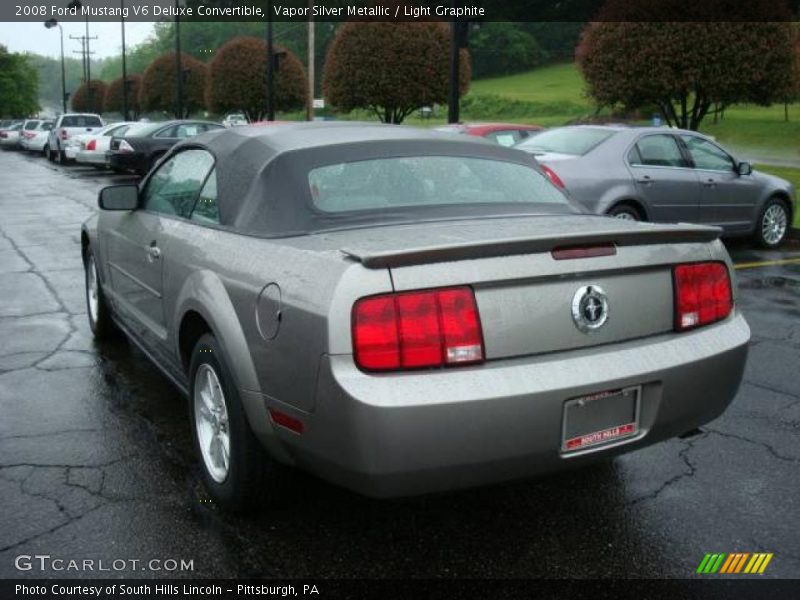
x: 402, y: 312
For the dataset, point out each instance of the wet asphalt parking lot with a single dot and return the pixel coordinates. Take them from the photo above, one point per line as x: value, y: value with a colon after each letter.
x: 96, y: 460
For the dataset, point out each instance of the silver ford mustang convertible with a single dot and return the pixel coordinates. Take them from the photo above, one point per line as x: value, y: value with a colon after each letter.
x: 403, y: 312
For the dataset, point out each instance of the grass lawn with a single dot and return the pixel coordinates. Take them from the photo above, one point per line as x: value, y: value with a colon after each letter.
x: 552, y: 84
x: 759, y: 130
x: 789, y: 173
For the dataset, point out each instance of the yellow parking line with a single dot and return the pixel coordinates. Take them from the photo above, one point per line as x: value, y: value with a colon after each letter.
x: 767, y: 263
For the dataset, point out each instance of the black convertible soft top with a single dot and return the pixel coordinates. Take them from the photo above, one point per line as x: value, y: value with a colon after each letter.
x: 262, y: 172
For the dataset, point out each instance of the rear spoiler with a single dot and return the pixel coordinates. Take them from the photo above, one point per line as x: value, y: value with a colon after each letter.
x: 402, y: 257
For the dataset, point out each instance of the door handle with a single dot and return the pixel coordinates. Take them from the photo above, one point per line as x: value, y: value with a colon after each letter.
x: 646, y: 180
x: 153, y: 251
x: 710, y: 182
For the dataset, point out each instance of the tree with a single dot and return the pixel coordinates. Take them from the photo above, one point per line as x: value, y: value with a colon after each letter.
x: 237, y: 79
x: 498, y: 48
x: 557, y: 39
x: 89, y: 97
x: 793, y: 90
x: 158, y: 91
x: 113, y: 101
x: 391, y: 69
x: 19, y: 85
x: 686, y: 69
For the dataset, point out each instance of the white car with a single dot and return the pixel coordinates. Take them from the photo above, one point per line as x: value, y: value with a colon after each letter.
x: 67, y: 126
x: 35, y: 140
x: 91, y: 148
x: 234, y: 119
x: 9, y: 137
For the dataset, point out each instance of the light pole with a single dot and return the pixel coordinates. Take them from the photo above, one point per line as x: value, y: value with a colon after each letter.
x: 459, y: 31
x: 77, y: 4
x: 270, y: 66
x: 311, y: 65
x: 178, y: 66
x: 124, y: 67
x: 50, y: 23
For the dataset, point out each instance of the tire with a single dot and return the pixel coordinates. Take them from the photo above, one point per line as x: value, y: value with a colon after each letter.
x: 48, y: 153
x: 218, y: 423
x: 627, y: 212
x: 61, y: 157
x: 99, y: 313
x: 773, y: 224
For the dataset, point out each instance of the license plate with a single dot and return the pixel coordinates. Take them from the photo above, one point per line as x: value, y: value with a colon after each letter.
x: 600, y: 419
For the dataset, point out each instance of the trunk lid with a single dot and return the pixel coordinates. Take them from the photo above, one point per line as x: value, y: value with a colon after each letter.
x: 525, y: 295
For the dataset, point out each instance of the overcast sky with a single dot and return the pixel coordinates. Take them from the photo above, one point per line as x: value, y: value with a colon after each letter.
x: 34, y: 37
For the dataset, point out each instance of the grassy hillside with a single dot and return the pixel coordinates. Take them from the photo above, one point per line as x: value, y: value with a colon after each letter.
x: 555, y: 95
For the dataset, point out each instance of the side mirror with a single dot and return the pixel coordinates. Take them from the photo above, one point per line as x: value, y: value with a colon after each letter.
x: 119, y: 197
x: 744, y: 168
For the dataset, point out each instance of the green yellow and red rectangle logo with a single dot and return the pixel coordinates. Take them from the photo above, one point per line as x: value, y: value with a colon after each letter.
x: 733, y: 563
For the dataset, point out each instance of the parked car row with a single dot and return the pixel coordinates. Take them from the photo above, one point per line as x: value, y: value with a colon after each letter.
x: 85, y: 139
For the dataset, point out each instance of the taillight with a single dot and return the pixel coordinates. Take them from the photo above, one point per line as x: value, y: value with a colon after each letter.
x: 410, y: 330
x: 92, y: 145
x: 3, y: 135
x: 63, y: 134
x: 702, y: 294
x: 553, y: 177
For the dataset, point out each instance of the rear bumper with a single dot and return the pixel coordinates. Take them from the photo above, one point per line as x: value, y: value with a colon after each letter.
x: 91, y: 158
x: 127, y: 161
x: 412, y: 433
x: 71, y: 151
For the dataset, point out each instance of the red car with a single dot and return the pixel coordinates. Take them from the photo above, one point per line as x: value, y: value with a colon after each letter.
x: 505, y: 134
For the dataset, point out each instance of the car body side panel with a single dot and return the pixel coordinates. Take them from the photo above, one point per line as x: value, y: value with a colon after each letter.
x: 226, y: 280
x: 729, y: 199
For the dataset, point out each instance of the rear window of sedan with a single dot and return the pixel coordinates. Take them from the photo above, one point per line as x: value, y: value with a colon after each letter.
x: 575, y: 141
x: 81, y: 121
x: 424, y: 181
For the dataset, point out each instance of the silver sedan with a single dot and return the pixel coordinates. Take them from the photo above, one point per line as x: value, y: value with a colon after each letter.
x: 665, y: 175
x: 401, y: 312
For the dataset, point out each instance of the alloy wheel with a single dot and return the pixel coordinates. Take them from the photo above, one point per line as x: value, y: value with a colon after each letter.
x: 211, y: 422
x: 773, y: 224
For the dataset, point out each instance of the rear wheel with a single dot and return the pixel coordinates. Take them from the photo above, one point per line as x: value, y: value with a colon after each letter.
x: 235, y: 468
x: 626, y: 212
x: 100, y: 321
x: 61, y: 157
x: 49, y: 153
x: 773, y: 224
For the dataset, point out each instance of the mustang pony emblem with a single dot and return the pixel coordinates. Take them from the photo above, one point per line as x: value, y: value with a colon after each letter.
x: 590, y: 308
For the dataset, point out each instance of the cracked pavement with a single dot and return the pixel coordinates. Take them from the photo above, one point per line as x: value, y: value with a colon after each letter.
x: 96, y: 460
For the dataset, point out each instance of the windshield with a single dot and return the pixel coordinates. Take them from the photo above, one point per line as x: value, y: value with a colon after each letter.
x: 424, y: 181
x: 567, y: 140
